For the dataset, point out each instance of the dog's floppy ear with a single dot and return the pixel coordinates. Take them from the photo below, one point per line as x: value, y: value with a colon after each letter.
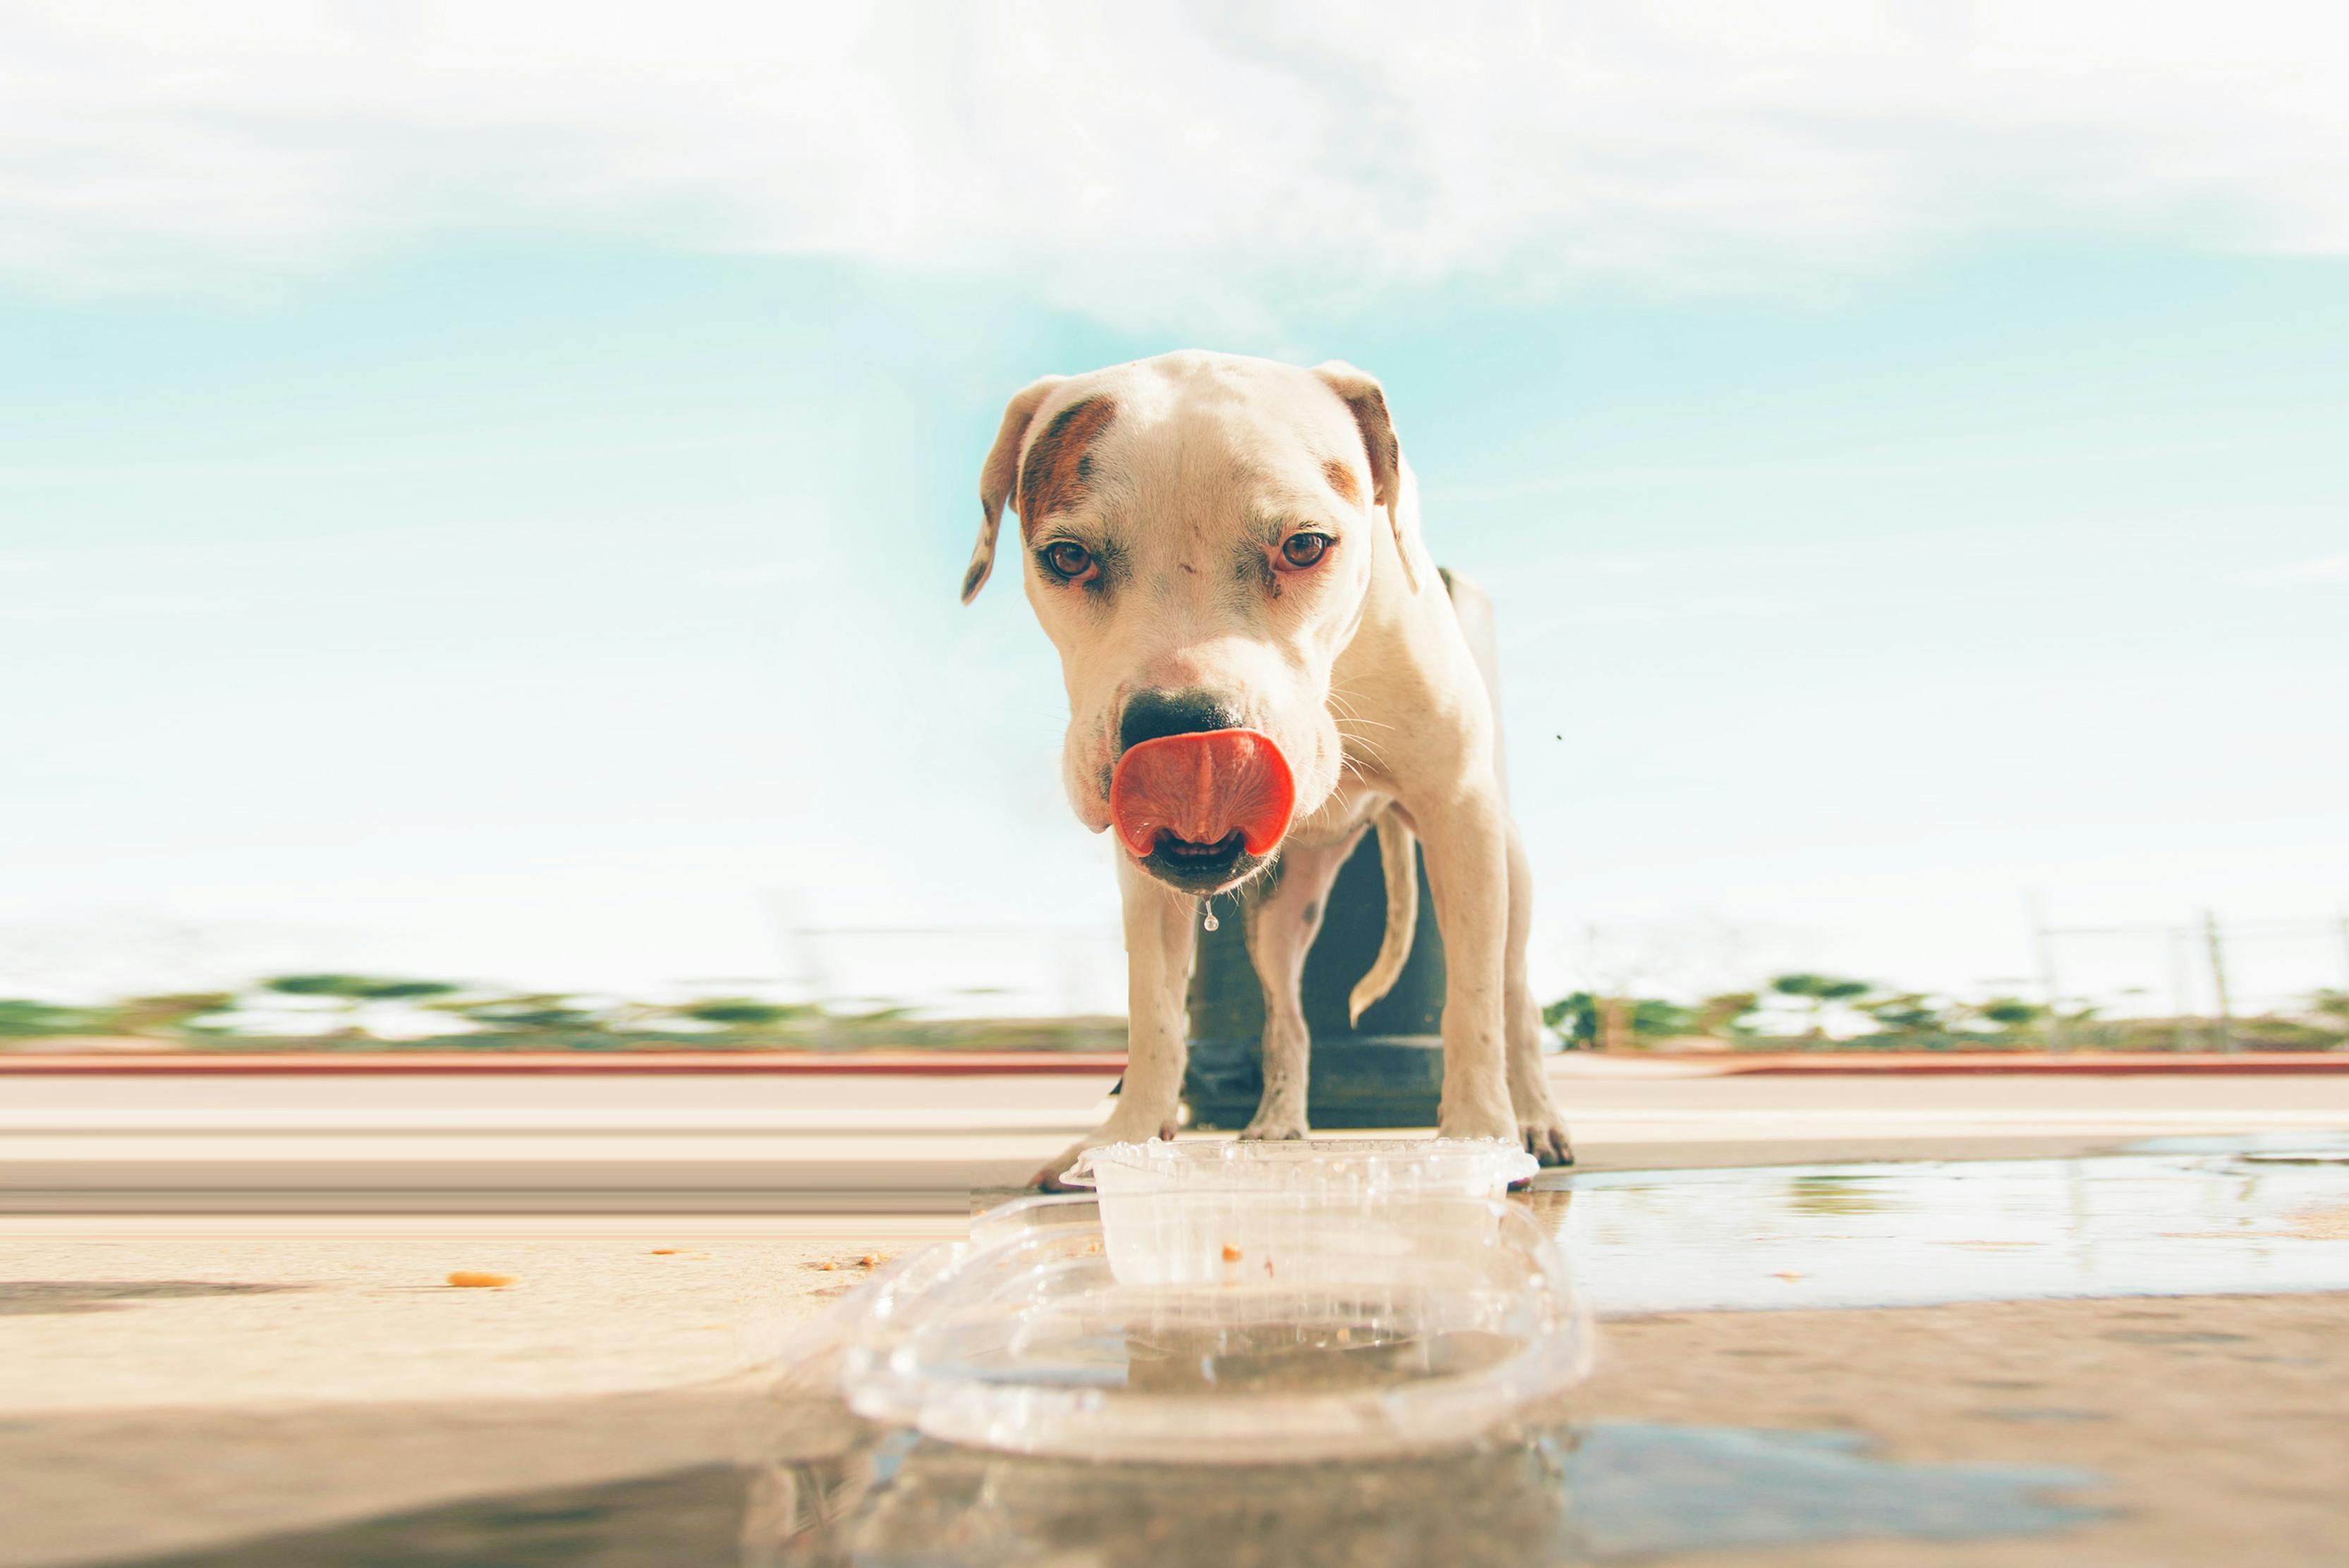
x: 1362, y: 394
x: 996, y: 479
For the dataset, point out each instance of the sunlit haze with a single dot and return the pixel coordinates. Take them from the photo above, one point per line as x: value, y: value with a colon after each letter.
x: 488, y: 499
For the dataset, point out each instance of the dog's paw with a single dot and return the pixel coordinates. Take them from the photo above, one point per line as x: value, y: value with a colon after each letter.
x: 1275, y: 1129
x: 1487, y: 1123
x: 1048, y: 1175
x: 1545, y: 1139
x: 1047, y: 1178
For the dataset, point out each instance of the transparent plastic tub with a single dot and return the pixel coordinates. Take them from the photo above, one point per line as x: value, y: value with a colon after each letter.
x: 1270, y: 1202
x: 1419, y: 1332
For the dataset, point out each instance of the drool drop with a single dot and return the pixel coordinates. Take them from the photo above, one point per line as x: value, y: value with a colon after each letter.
x: 1207, y: 921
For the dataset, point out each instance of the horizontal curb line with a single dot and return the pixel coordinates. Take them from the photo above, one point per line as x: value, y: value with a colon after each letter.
x: 1084, y: 1064
x: 876, y: 1064
x: 2085, y: 1063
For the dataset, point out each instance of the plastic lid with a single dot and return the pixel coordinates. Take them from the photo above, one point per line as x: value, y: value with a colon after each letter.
x: 1419, y: 1330
x: 1342, y: 1168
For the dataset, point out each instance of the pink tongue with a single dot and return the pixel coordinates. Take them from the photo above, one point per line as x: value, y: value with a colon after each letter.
x: 1203, y: 787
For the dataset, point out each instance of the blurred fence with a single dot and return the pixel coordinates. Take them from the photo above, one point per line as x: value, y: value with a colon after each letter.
x: 2205, y: 974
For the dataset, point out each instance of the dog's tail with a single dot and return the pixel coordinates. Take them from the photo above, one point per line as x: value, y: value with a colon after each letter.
x: 1399, y: 859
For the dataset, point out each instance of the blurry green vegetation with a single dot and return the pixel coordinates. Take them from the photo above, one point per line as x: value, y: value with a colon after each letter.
x: 334, y: 1012
x: 361, y: 987
x: 377, y: 1013
x: 37, y: 1018
x: 1827, y: 1012
x: 1581, y: 1018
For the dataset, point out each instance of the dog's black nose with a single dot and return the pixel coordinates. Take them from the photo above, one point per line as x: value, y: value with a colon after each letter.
x: 1154, y: 714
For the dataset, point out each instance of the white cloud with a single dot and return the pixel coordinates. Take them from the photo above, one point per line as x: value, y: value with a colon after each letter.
x: 2319, y: 569
x: 1132, y: 159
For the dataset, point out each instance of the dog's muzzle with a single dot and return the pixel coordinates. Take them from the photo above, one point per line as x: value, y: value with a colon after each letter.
x: 1196, y: 808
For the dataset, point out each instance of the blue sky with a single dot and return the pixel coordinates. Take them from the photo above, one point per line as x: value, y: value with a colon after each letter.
x: 428, y: 563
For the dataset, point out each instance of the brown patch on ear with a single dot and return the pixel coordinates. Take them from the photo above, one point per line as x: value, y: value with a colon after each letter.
x: 973, y: 576
x: 995, y: 477
x: 1341, y: 480
x: 1056, y: 469
x: 1368, y: 407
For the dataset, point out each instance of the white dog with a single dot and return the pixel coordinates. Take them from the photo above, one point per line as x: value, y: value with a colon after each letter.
x: 1262, y: 660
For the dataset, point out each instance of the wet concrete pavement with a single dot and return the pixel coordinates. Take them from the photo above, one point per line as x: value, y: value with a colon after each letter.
x: 2014, y: 1434
x: 2242, y: 1217
x: 620, y: 1404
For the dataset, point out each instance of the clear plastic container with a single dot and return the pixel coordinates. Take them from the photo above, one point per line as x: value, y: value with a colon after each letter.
x: 1270, y: 1202
x: 1422, y: 1330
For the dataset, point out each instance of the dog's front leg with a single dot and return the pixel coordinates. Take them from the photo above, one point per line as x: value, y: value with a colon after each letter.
x: 1539, y: 1124
x: 1466, y: 840
x: 1158, y: 942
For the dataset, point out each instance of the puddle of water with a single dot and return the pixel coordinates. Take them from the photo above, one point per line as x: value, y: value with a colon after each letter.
x: 55, y: 1297
x: 686, y: 1519
x: 2250, y: 1220
x: 1641, y: 1489
x: 2334, y: 1144
x: 1602, y: 1493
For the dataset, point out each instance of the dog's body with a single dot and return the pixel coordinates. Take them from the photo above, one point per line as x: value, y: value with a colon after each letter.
x: 1227, y: 553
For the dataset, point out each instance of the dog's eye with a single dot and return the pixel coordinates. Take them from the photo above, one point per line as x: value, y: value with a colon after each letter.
x: 1304, y: 549
x: 1067, y: 560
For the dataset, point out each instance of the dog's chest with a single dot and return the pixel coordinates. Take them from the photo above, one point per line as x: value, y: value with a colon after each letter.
x: 1349, y: 808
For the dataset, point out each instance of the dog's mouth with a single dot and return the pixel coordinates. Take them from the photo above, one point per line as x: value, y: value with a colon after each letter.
x: 1202, y: 869
x: 1199, y: 811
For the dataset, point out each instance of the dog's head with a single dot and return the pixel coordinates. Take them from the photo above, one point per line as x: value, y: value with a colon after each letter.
x: 1201, y: 533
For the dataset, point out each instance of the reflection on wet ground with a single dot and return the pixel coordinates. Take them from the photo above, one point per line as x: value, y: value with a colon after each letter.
x: 2256, y: 1218
x: 49, y: 1297
x: 1598, y: 1493
x: 682, y: 1519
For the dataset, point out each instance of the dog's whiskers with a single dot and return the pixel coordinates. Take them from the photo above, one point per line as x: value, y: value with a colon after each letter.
x: 1356, y: 742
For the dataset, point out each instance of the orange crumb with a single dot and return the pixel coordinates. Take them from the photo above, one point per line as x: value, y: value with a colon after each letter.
x: 664, y: 1252
x: 466, y: 1279
x: 873, y: 1260
x: 1232, y: 1254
